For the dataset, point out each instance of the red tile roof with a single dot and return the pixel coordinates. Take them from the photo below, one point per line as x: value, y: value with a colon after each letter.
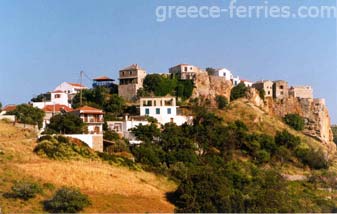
x: 56, y: 108
x: 76, y: 85
x: 9, y: 108
x: 88, y: 109
x: 103, y: 78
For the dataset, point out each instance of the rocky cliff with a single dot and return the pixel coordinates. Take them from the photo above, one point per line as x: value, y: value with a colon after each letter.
x: 208, y: 87
x: 315, y: 112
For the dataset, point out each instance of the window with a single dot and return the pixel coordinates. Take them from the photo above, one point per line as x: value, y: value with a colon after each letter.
x: 185, y: 68
x: 281, y: 87
x: 169, y: 111
x: 147, y: 111
x: 57, y: 96
x: 157, y: 110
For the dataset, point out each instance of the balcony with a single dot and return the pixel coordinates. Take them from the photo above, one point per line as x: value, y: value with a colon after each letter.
x: 93, y: 120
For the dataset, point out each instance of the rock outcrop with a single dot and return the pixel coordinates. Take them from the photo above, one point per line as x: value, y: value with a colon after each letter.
x: 208, y: 87
x: 314, y: 111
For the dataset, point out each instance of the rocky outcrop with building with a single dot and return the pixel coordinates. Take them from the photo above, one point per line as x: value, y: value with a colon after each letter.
x: 314, y: 111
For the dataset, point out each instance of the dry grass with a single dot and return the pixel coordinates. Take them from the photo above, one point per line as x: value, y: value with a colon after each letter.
x: 111, y: 188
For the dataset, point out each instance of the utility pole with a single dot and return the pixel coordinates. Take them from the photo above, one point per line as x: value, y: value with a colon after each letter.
x: 81, y: 78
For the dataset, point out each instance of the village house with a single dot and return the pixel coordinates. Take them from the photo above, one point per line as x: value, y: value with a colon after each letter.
x: 247, y: 83
x: 52, y: 110
x: 92, y: 117
x: 266, y: 86
x: 70, y: 88
x: 56, y: 98
x: 164, y: 109
x: 123, y: 127
x: 7, y: 108
x: 301, y: 92
x: 228, y: 75
x: 280, y: 89
x: 185, y: 71
x: 130, y: 80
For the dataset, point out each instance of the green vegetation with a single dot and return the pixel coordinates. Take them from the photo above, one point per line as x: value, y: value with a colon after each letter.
x: 262, y: 93
x: 0, y: 106
x: 102, y: 98
x: 42, y: 97
x: 61, y: 148
x: 160, y: 85
x: 27, y: 114
x: 238, y: 91
x: 24, y: 190
x: 203, y: 157
x: 221, y: 101
x: 334, y: 131
x: 67, y: 200
x: 295, y: 121
x: 210, y: 71
x: 66, y: 123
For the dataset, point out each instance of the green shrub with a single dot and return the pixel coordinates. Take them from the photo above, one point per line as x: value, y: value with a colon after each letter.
x: 315, y: 159
x: 60, y: 148
x: 262, y: 156
x: 25, y: 190
x: 238, y: 91
x: 221, y: 101
x: 295, y: 121
x: 67, y: 200
x: 286, y: 139
x: 334, y: 131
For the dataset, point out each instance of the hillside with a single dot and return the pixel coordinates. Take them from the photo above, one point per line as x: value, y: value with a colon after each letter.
x: 110, y: 188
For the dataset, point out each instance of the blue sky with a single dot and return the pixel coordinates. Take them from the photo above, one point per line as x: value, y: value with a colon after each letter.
x: 43, y: 43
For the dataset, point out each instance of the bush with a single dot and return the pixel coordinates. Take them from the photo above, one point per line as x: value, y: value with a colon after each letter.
x: 60, y: 148
x: 313, y: 158
x: 221, y: 101
x: 334, y: 131
x: 67, y: 123
x: 286, y: 139
x: 24, y: 190
x: 238, y: 91
x: 67, y: 200
x: 262, y: 156
x: 295, y: 121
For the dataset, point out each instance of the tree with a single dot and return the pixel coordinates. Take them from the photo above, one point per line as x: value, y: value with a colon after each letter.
x: 221, y: 101
x: 42, y: 97
x: 115, y: 105
x: 295, y: 121
x: 67, y: 123
x: 211, y: 71
x: 28, y: 114
x: 0, y: 106
x: 238, y: 91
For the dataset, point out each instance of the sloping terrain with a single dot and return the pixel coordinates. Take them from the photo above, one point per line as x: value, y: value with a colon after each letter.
x: 110, y: 188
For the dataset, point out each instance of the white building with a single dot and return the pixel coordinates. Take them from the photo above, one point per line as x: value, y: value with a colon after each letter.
x: 223, y: 72
x: 70, y: 88
x: 164, y: 109
x: 123, y: 127
x: 56, y: 98
x: 247, y: 83
x: 185, y: 71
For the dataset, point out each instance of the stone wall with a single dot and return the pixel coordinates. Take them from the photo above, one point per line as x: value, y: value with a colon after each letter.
x: 128, y: 92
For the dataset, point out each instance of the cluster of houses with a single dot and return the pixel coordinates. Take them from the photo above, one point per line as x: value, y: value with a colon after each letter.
x: 163, y: 109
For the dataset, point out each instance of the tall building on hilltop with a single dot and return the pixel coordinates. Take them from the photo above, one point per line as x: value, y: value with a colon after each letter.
x: 130, y: 80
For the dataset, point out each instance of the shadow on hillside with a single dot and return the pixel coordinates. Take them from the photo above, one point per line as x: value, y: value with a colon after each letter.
x: 171, y: 197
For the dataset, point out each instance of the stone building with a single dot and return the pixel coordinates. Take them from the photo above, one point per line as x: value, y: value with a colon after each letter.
x: 185, y: 71
x: 301, y: 92
x: 280, y: 89
x: 130, y: 80
x: 265, y: 85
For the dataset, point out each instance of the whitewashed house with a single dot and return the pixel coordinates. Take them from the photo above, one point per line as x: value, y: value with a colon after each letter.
x: 247, y: 83
x: 56, y: 98
x: 92, y: 117
x: 70, y: 88
x: 164, y: 109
